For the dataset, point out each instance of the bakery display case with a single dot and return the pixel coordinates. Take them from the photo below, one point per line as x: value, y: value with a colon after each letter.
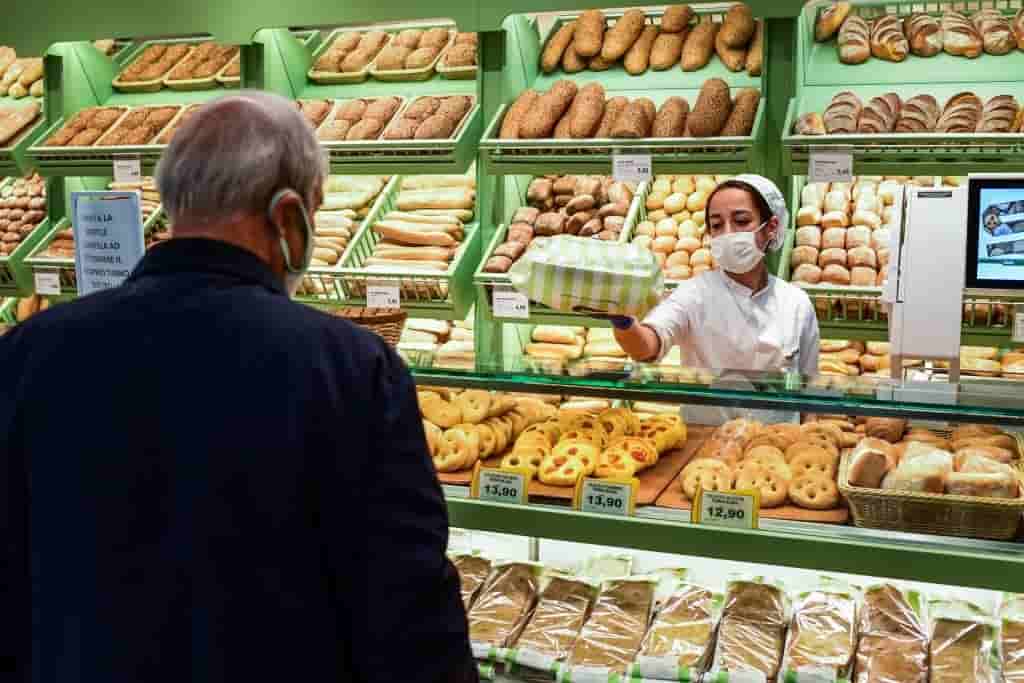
x: 21, y: 107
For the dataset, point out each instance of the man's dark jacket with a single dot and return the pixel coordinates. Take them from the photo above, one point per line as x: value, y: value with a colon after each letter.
x: 201, y: 480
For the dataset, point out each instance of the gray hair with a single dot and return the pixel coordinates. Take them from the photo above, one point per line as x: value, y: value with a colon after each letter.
x: 234, y: 153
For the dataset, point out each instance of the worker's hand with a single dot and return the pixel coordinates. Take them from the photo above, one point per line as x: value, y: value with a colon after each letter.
x: 619, y: 322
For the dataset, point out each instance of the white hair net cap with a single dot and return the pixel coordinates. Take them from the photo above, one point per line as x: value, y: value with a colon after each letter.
x: 772, y: 196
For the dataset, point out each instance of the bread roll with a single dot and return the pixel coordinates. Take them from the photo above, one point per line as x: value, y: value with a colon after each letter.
x: 868, y: 218
x: 802, y: 255
x: 858, y: 236
x: 807, y: 273
x: 833, y: 238
x: 812, y: 197
x: 983, y: 485
x: 809, y: 236
x: 835, y: 274
x: 862, y: 276
x: 836, y: 201
x: 831, y: 256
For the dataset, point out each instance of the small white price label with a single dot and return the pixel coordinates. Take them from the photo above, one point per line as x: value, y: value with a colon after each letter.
x: 830, y: 167
x: 1018, y: 326
x: 127, y: 170
x: 508, y: 303
x: 631, y: 168
x: 813, y: 674
x: 48, y: 283
x: 383, y: 295
x: 733, y: 509
x: 606, y: 497
x: 497, y: 486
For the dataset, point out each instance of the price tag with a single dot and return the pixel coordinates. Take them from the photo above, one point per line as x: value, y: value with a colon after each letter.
x: 48, y: 283
x: 127, y: 170
x: 631, y: 168
x: 499, y: 486
x: 508, y: 303
x: 1018, y: 326
x: 732, y: 509
x: 383, y: 295
x: 830, y: 167
x: 605, y: 496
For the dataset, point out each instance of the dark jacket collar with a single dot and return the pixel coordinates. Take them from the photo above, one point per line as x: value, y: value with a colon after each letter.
x: 199, y: 255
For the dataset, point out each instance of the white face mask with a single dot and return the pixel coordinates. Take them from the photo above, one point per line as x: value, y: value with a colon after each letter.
x: 737, y: 252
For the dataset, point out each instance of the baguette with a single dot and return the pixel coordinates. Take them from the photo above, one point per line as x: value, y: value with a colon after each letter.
x: 460, y: 214
x: 447, y: 198
x: 516, y: 113
x: 401, y: 252
x: 416, y: 217
x: 433, y: 182
x: 414, y: 237
x: 551, y: 57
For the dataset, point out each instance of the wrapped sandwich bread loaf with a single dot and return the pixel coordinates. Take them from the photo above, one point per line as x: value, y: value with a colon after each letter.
x: 848, y: 113
x: 570, y: 111
x: 963, y: 639
x: 473, y: 572
x: 785, y: 463
x: 681, y: 635
x: 893, y: 643
x: 753, y: 627
x: 614, y: 631
x: 680, y: 39
x: 823, y: 631
x: 675, y: 227
x: 503, y: 605
x: 556, y: 621
x: 587, y: 206
x: 1011, y: 642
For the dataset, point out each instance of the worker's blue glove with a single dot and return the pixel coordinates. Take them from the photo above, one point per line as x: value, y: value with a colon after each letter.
x: 621, y: 322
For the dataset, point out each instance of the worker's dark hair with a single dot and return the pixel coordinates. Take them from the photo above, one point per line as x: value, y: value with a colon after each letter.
x: 759, y: 201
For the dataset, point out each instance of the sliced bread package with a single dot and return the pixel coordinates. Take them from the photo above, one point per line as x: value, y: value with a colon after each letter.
x: 473, y: 570
x: 963, y: 642
x: 822, y: 635
x: 752, y: 629
x: 502, y: 607
x: 893, y: 636
x: 551, y: 632
x: 1011, y: 638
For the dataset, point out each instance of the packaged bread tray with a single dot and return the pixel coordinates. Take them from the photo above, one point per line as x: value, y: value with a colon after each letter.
x: 431, y: 117
x: 459, y: 59
x: 473, y: 570
x: 752, y: 629
x: 569, y: 273
x: 680, y: 641
x: 614, y: 631
x: 85, y: 128
x: 359, y: 119
x: 198, y: 71
x: 146, y: 72
x: 346, y: 55
x: 140, y: 126
x: 963, y: 641
x: 502, y: 607
x: 412, y: 54
x: 892, y: 636
x: 1011, y: 638
x: 231, y: 75
x: 549, y: 635
x: 822, y: 634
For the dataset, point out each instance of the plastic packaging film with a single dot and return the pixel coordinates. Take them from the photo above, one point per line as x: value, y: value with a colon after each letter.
x: 473, y: 571
x: 612, y: 635
x: 1011, y: 643
x: 963, y: 643
x: 893, y: 645
x: 822, y: 633
x: 556, y: 622
x: 503, y: 604
x: 681, y: 635
x: 753, y: 625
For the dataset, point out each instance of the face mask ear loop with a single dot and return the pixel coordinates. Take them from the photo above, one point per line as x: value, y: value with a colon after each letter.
x: 285, y: 251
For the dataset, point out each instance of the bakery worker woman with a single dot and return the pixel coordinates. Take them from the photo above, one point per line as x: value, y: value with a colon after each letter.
x: 739, y: 316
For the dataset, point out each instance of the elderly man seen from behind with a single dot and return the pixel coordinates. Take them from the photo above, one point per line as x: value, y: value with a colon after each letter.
x: 204, y: 481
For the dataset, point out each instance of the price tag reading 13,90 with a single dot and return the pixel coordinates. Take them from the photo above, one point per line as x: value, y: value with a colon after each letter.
x: 605, y: 497
x: 499, y: 486
x: 733, y: 509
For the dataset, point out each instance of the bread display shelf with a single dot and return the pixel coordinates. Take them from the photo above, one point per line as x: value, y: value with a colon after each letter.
x: 594, y: 156
x: 424, y: 73
x: 486, y: 282
x: 652, y: 482
x: 818, y: 63
x: 440, y: 294
x: 337, y: 77
x: 996, y: 519
x: 65, y: 267
x: 15, y: 273
x: 13, y: 159
x: 205, y: 83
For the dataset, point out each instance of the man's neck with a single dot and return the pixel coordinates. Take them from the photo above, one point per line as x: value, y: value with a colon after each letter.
x: 755, y: 280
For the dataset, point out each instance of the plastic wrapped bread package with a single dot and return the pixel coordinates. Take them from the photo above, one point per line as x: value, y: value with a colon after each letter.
x: 1011, y: 638
x: 893, y: 637
x: 571, y: 273
x: 680, y: 641
x: 963, y: 642
x: 473, y: 572
x: 555, y: 624
x: 612, y: 634
x: 502, y: 607
x: 752, y: 629
x: 822, y: 634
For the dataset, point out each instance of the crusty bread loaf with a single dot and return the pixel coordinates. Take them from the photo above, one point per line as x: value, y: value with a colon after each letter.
x: 997, y: 36
x: 887, y: 39
x: 843, y: 113
x: 959, y: 36
x: 880, y: 114
x: 962, y: 114
x: 1018, y: 28
x: 830, y: 20
x: 809, y: 124
x: 924, y: 34
x: 854, y: 41
x: 999, y: 115
x: 919, y: 114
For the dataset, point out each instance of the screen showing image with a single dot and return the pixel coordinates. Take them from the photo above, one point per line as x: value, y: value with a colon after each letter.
x: 1000, y: 234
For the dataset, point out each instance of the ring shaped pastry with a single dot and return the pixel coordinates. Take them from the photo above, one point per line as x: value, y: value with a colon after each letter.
x: 830, y: 430
x: 708, y: 479
x: 434, y: 436
x: 628, y: 416
x: 764, y: 454
x: 447, y: 458
x: 578, y: 448
x: 614, y: 425
x: 598, y: 437
x: 772, y: 486
x: 439, y: 411
x: 488, y: 440
x: 474, y: 404
x: 534, y: 453
x: 550, y: 430
x: 815, y: 492
x: 464, y: 440
x: 809, y: 462
x: 615, y: 465
x: 642, y: 451
x: 588, y: 423
x: 519, y: 460
x: 560, y: 470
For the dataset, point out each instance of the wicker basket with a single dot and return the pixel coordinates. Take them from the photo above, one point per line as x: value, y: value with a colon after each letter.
x: 932, y: 513
x: 386, y: 322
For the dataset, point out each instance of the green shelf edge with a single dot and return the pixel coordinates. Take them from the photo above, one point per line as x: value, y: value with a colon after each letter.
x: 870, y: 555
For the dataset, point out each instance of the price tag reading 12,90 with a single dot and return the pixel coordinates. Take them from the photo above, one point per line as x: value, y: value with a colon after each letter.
x: 606, y: 497
x: 499, y: 486
x: 733, y: 509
